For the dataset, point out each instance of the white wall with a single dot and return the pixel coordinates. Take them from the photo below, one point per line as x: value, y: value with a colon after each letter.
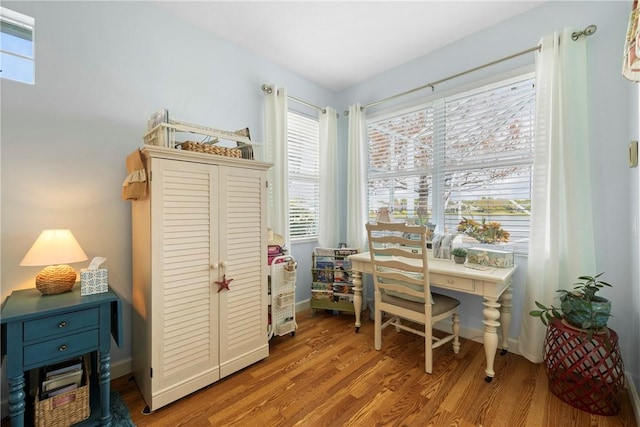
x: 634, y: 135
x: 102, y: 68
x: 609, y: 126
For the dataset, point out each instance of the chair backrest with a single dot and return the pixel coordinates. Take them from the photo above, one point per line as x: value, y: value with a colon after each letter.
x: 399, y: 259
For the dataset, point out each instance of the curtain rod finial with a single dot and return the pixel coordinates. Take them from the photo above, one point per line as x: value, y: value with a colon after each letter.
x: 588, y: 31
x: 267, y: 89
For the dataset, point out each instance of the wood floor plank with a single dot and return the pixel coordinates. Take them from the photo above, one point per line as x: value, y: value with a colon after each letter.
x: 327, y: 375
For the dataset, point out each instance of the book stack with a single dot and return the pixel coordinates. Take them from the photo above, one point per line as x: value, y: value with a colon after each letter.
x: 61, y: 378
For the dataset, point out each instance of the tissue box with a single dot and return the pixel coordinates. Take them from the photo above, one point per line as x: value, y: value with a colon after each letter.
x: 93, y: 281
x: 490, y: 257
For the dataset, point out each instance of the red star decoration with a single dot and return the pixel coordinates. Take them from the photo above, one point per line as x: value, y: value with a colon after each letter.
x: 224, y: 284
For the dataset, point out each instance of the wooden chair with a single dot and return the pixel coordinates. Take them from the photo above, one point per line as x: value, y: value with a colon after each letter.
x: 401, y: 278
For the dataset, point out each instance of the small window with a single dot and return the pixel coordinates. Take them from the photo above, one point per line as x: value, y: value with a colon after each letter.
x: 304, y: 176
x: 16, y: 46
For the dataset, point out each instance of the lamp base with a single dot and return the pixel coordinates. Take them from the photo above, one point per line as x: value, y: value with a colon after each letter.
x: 56, y: 279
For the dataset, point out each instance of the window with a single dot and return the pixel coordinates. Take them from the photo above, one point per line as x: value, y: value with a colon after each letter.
x: 16, y: 46
x: 465, y: 156
x: 304, y: 176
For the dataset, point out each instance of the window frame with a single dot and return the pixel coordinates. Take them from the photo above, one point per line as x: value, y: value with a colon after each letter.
x: 436, y: 204
x: 311, y: 179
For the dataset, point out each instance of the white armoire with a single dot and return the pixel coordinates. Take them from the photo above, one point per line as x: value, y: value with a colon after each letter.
x: 200, y: 271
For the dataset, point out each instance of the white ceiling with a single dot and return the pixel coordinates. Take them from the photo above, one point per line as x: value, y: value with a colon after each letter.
x: 338, y: 44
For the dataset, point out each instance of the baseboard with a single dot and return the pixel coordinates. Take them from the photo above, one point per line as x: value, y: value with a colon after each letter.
x: 122, y: 368
x: 303, y: 305
x: 635, y: 400
x: 477, y: 335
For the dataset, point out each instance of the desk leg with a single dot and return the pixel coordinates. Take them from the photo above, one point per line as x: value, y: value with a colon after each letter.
x: 491, y: 324
x: 357, y: 297
x: 105, y: 388
x: 505, y: 318
x: 16, y: 400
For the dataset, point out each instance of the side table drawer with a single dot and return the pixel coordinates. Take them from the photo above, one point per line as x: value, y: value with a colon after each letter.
x: 452, y: 282
x: 62, y: 323
x: 61, y: 348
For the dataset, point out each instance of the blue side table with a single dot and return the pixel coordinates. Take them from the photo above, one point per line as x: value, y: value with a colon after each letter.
x: 40, y: 330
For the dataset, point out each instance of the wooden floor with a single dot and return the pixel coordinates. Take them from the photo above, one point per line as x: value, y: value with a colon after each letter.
x: 327, y: 375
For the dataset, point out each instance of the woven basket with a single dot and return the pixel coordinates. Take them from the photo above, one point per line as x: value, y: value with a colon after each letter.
x: 56, y: 279
x: 65, y: 409
x: 211, y: 149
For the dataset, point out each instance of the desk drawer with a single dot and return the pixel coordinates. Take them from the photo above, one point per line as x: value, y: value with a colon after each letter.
x: 61, y: 348
x: 60, y: 324
x: 452, y: 282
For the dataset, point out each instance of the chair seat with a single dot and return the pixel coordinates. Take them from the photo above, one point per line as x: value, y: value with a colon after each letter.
x: 442, y: 303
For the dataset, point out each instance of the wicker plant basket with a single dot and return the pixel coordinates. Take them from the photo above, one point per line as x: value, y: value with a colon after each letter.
x: 65, y: 409
x: 211, y: 149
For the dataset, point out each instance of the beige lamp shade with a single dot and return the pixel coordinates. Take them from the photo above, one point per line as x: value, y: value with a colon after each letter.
x: 55, y: 249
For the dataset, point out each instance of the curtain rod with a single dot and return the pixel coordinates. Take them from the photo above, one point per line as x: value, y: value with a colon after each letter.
x: 589, y: 30
x: 267, y: 89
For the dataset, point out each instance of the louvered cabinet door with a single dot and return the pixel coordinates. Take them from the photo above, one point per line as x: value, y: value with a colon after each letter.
x: 243, y: 255
x: 184, y: 245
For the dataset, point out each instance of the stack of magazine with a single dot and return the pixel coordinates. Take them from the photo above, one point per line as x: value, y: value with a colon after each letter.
x: 332, y: 276
x: 61, y: 378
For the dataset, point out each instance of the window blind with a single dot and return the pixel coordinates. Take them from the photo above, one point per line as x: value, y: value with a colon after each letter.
x: 16, y: 46
x: 304, y: 176
x: 465, y: 156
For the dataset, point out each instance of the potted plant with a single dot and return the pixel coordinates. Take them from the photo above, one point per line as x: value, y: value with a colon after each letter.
x: 490, y: 232
x: 580, y: 307
x: 585, y: 373
x: 459, y: 255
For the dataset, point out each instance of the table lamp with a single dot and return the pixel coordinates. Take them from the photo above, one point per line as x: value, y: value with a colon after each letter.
x: 54, y: 248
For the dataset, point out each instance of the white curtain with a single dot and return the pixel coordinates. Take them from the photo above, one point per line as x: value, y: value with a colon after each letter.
x: 631, y: 60
x: 329, y: 226
x: 275, y: 107
x: 562, y: 245
x: 356, y: 182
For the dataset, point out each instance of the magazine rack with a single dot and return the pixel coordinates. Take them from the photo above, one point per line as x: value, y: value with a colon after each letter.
x: 332, y: 285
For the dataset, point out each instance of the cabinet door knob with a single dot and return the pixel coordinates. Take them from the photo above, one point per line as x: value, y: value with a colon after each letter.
x: 62, y: 324
x: 63, y: 347
x: 214, y: 266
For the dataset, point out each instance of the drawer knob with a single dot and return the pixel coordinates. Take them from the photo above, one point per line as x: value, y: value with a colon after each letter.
x: 62, y: 324
x: 63, y: 347
x: 450, y: 281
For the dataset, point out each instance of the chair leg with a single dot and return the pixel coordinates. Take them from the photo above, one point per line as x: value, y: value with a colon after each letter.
x: 428, y: 349
x: 456, y: 333
x: 377, y: 334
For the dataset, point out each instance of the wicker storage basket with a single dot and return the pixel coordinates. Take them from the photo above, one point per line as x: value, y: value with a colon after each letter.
x: 211, y: 149
x: 64, y: 409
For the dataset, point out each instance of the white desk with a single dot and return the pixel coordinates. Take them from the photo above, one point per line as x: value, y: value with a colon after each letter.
x: 493, y: 284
